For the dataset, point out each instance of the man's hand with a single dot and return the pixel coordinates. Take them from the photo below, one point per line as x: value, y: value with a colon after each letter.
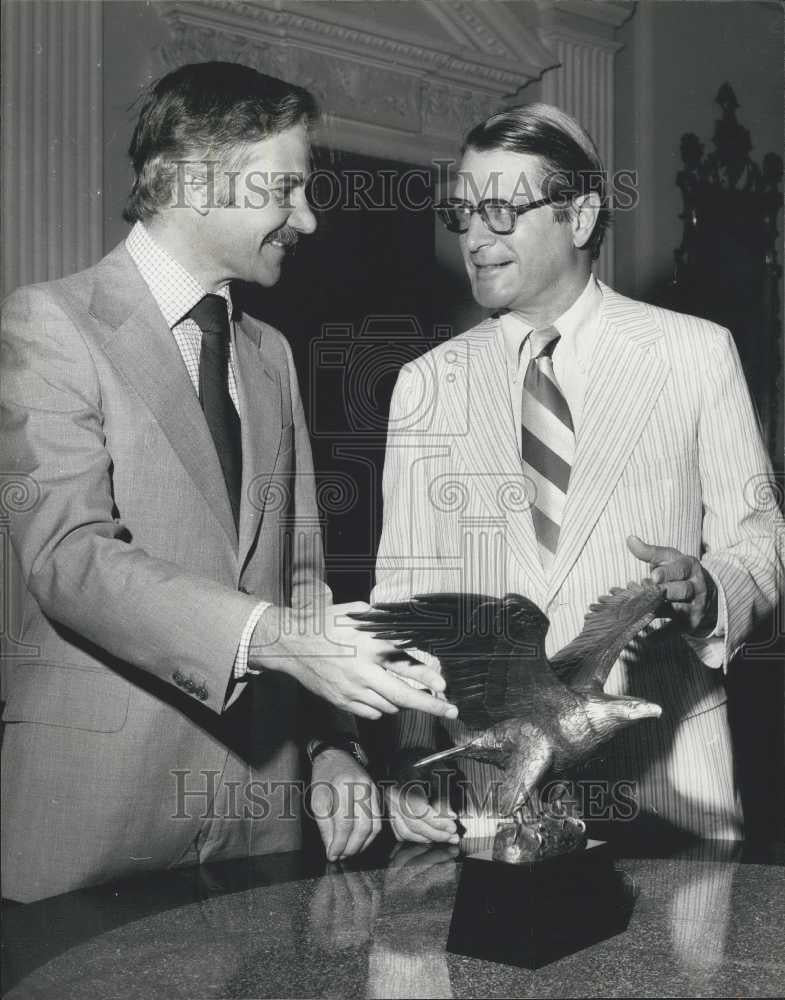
x: 684, y: 582
x: 324, y: 650
x: 413, y: 818
x: 344, y: 803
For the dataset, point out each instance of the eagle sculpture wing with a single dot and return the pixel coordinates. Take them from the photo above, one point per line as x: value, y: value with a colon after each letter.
x: 492, y: 650
x: 609, y: 626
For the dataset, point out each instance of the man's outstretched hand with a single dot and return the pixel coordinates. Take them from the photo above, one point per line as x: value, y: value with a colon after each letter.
x: 324, y: 650
x: 684, y: 582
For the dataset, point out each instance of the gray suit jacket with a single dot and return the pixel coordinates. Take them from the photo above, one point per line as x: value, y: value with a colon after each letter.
x: 135, y: 585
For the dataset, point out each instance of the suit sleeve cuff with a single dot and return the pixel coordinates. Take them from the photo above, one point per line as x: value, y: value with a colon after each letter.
x: 241, y: 668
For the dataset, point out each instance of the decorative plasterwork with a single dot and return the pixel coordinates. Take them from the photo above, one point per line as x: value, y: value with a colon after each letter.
x: 612, y: 13
x: 581, y: 22
x: 494, y: 59
x: 406, y: 88
x: 388, y: 91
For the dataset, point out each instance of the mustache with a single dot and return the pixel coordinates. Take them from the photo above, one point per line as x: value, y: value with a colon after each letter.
x: 286, y: 235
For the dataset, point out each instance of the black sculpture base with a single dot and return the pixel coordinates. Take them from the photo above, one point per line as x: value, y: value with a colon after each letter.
x: 531, y: 914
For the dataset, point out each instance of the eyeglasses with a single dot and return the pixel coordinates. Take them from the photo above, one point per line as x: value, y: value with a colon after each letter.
x: 498, y: 215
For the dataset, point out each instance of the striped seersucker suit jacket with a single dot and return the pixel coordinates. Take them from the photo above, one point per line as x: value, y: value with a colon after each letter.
x: 668, y: 449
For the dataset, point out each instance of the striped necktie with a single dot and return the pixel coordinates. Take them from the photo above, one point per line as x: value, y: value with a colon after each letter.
x: 547, y: 443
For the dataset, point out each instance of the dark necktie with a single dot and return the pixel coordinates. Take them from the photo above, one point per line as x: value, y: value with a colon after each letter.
x: 212, y: 317
x: 547, y: 443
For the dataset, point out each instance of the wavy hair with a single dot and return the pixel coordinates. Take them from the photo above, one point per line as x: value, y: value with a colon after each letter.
x: 206, y: 111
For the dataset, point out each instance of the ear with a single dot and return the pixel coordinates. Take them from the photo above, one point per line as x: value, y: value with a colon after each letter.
x: 586, y: 211
x: 195, y: 185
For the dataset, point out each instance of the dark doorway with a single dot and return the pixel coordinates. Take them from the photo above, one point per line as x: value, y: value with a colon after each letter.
x: 355, y: 302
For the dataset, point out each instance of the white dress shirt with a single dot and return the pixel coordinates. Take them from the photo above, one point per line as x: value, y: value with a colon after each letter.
x: 578, y: 329
x: 176, y: 292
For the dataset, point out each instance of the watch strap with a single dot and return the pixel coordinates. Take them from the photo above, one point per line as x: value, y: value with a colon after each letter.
x: 338, y: 742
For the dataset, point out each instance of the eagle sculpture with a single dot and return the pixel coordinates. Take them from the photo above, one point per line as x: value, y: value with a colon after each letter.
x: 537, y: 715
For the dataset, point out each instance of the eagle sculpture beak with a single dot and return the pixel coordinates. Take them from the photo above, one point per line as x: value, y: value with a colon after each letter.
x: 636, y: 708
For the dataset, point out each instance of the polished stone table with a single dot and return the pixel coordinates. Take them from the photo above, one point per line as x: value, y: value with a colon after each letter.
x: 709, y: 921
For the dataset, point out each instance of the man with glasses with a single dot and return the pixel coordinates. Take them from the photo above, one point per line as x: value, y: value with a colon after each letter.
x: 573, y: 441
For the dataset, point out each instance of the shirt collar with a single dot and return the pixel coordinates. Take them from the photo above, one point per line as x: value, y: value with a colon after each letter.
x: 577, y: 328
x: 174, y: 289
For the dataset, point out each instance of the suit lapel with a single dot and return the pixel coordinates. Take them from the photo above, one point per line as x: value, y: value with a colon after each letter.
x: 259, y: 390
x: 141, y: 346
x: 625, y: 378
x: 490, y: 448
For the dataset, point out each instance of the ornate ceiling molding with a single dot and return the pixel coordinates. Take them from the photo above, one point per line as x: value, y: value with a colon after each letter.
x: 390, y: 91
x: 583, y: 22
x: 404, y: 81
x: 610, y: 12
x: 493, y: 54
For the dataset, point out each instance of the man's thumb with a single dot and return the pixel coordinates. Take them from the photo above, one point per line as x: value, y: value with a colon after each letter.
x: 640, y: 549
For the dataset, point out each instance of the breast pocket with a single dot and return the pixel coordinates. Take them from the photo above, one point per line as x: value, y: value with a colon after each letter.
x: 641, y: 471
x: 659, y: 501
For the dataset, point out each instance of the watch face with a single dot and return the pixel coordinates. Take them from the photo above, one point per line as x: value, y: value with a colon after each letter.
x: 359, y: 754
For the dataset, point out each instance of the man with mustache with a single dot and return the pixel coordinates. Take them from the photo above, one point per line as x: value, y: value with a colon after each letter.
x: 169, y: 558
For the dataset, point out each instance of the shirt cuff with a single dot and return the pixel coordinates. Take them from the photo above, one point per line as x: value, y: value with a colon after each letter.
x: 241, y: 668
x: 720, y: 628
x: 710, y: 649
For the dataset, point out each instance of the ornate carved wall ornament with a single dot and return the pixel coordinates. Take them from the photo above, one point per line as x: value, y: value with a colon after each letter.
x: 414, y: 94
x: 726, y: 196
x: 726, y: 267
x: 198, y: 43
x: 450, y: 111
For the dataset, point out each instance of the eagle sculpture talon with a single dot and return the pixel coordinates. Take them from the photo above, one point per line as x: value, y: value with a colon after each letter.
x: 538, y: 835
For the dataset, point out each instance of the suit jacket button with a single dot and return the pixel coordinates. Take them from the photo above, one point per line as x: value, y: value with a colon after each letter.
x: 201, y: 693
x: 178, y: 678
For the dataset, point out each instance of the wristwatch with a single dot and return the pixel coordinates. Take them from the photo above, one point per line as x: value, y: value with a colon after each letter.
x: 338, y: 742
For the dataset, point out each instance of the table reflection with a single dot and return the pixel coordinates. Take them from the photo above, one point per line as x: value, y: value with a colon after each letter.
x: 707, y: 922
x: 407, y: 958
